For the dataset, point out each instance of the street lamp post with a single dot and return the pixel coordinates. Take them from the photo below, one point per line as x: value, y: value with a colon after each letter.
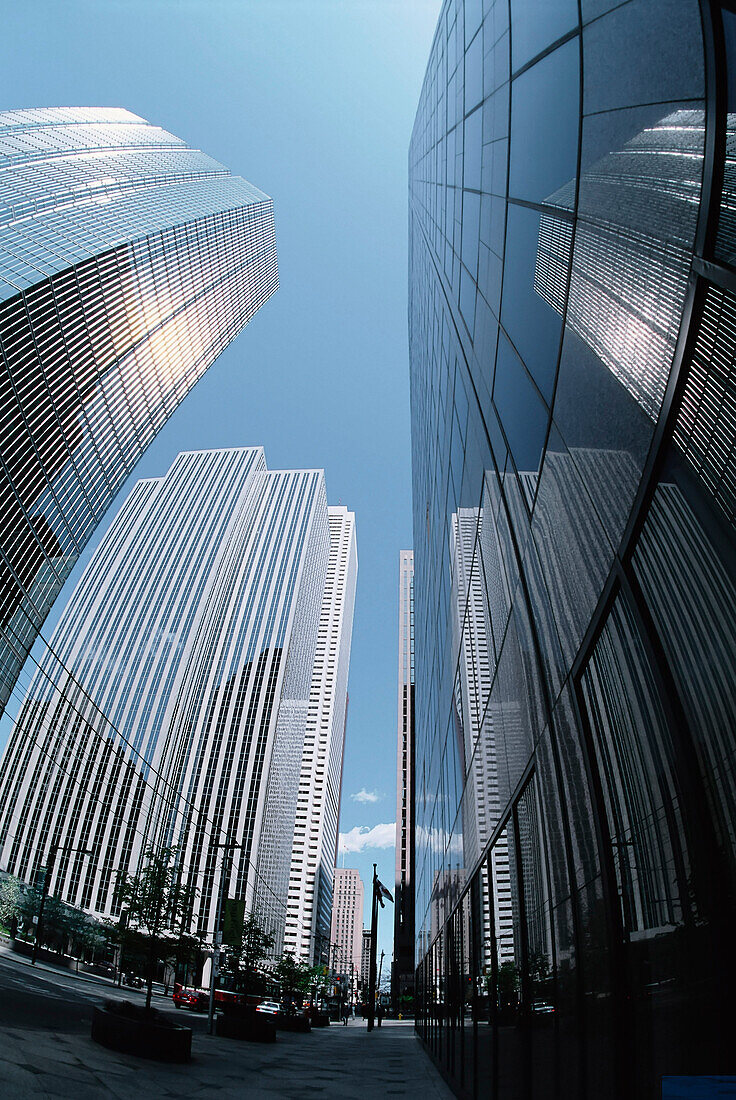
x: 53, y: 850
x: 227, y: 860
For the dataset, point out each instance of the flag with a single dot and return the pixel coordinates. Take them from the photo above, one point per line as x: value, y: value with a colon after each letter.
x: 382, y: 892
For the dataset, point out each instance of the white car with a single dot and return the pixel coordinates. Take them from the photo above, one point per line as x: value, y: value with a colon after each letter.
x: 269, y: 1007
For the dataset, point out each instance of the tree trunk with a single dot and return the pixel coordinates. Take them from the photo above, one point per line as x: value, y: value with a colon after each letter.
x: 151, y: 964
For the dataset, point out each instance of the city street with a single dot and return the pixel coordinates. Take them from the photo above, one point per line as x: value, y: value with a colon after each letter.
x: 46, y: 1050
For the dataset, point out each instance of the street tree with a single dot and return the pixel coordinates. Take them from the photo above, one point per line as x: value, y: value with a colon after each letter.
x: 156, y: 899
x: 251, y: 944
x: 293, y: 975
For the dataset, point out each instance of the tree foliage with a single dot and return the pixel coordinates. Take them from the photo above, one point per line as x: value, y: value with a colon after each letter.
x: 158, y: 904
x: 249, y: 948
x: 64, y: 926
x: 293, y: 975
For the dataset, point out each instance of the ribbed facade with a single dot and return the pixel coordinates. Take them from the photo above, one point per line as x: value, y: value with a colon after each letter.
x: 128, y: 262
x: 314, y: 848
x: 172, y: 705
x: 572, y: 329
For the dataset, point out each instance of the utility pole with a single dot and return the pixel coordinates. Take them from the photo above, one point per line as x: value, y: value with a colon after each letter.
x: 229, y: 847
x: 372, y: 966
x: 380, y: 968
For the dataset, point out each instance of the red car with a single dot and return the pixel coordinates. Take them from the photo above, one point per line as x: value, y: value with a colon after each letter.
x: 188, y: 997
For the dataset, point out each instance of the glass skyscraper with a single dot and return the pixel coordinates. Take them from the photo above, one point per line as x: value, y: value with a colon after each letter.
x: 173, y: 704
x: 402, y: 971
x: 573, y: 393
x: 128, y: 262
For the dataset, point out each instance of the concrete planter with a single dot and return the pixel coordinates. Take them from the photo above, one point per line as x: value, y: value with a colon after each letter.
x: 25, y: 947
x: 293, y: 1023
x: 122, y: 1026
x: 243, y: 1022
x: 320, y: 1019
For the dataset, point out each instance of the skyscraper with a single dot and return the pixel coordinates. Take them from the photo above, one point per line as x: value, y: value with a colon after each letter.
x: 346, y: 933
x: 314, y: 851
x: 402, y: 973
x: 573, y: 381
x: 173, y: 704
x: 128, y: 262
x: 365, y: 962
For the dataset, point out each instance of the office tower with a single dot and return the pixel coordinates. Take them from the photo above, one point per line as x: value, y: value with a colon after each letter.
x: 365, y: 962
x: 572, y: 344
x: 346, y: 933
x: 402, y: 971
x: 128, y: 262
x: 173, y: 704
x: 314, y: 851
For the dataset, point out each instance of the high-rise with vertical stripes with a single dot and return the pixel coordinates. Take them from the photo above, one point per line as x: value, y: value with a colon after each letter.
x: 128, y: 262
x: 176, y: 704
x: 307, y: 932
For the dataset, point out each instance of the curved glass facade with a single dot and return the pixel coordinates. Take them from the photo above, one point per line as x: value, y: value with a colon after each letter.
x: 572, y: 343
x: 128, y: 262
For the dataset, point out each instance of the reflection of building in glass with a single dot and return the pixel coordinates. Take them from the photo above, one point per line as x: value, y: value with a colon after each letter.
x: 402, y: 972
x: 346, y: 934
x: 128, y: 262
x: 573, y: 390
x: 632, y: 252
x: 477, y: 748
x: 173, y: 706
x: 314, y: 850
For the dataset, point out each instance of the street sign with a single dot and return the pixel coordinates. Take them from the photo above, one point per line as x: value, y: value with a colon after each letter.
x: 232, y: 921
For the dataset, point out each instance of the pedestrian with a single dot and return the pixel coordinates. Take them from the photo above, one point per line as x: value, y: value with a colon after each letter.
x: 345, y: 1014
x: 379, y: 1013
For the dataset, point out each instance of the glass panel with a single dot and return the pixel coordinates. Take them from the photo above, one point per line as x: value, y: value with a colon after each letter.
x: 662, y: 61
x: 536, y: 24
x: 521, y: 411
x: 686, y: 568
x: 656, y: 877
x: 726, y: 243
x: 512, y: 1040
x: 529, y: 312
x: 545, y: 116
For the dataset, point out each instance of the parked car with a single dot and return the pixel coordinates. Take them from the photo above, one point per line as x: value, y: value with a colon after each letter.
x: 271, y: 1008
x: 134, y: 981
x: 188, y: 997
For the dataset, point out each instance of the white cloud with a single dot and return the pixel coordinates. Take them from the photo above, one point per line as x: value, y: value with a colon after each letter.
x: 366, y: 796
x: 361, y: 837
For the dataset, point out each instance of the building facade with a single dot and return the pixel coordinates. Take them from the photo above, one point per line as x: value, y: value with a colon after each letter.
x: 172, y: 705
x: 573, y: 346
x: 314, y: 851
x: 346, y: 932
x: 402, y: 971
x: 128, y: 262
x: 365, y: 963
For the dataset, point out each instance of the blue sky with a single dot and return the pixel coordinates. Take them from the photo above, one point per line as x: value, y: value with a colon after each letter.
x: 313, y: 101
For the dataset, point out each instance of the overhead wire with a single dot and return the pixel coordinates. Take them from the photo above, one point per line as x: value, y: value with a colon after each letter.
x: 177, y: 803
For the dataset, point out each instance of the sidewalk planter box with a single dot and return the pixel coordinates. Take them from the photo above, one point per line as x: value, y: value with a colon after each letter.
x: 125, y: 1027
x: 320, y: 1019
x: 44, y: 954
x: 243, y: 1022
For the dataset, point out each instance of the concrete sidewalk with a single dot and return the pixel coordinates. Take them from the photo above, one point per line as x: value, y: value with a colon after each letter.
x: 337, y: 1061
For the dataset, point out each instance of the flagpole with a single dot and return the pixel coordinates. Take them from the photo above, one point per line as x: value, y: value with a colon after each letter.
x: 372, y: 966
